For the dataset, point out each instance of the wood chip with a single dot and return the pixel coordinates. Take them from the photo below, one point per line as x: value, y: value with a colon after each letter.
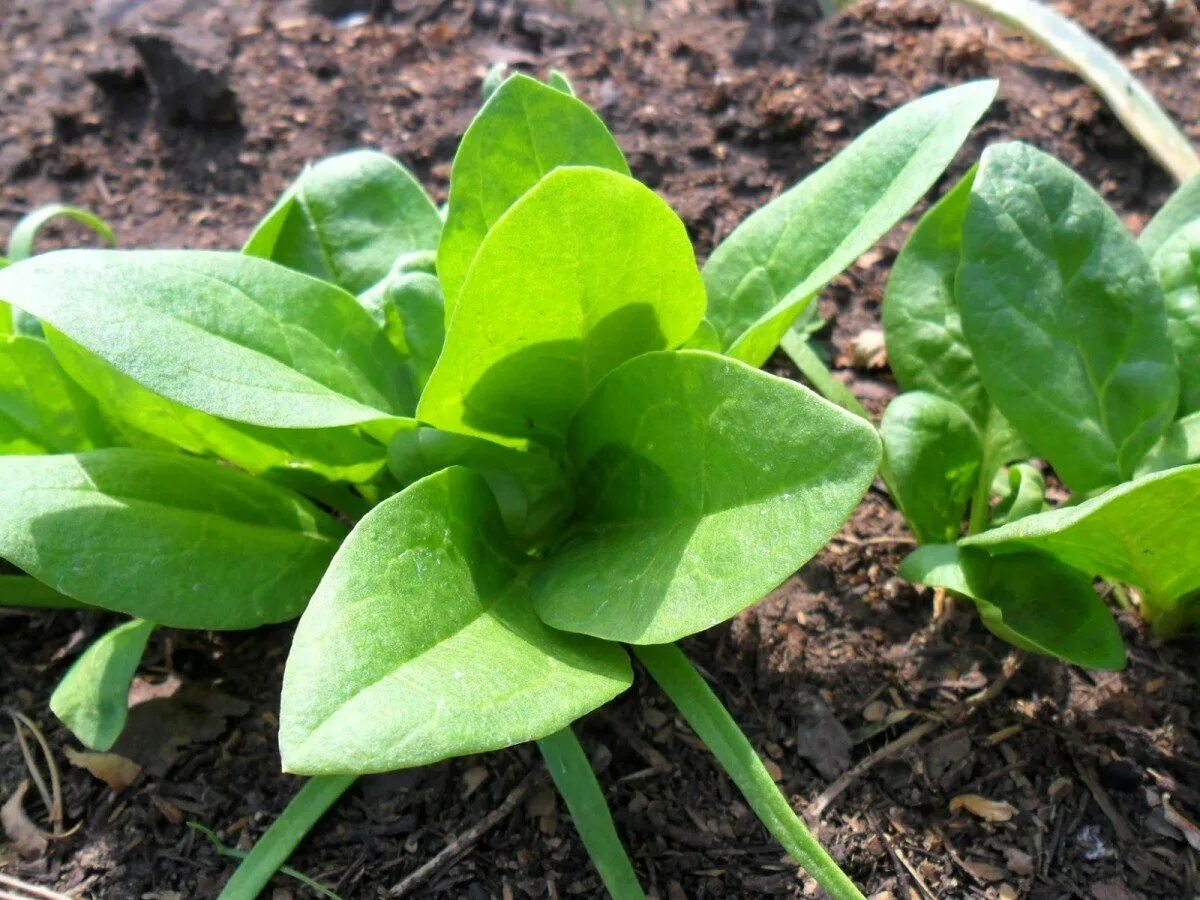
x: 115, y: 770
x: 985, y: 872
x: 977, y: 805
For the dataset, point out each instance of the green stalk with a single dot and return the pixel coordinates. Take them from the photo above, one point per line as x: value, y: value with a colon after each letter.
x: 575, y: 780
x: 712, y: 722
x: 274, y: 847
x: 801, y: 353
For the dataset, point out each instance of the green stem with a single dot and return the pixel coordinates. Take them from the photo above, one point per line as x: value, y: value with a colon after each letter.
x: 573, y: 775
x: 704, y: 712
x: 799, y: 351
x: 274, y: 847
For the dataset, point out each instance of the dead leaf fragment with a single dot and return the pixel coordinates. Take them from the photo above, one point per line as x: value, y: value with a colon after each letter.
x: 989, y: 810
x: 985, y: 872
x: 25, y: 836
x: 1190, y: 832
x: 866, y: 350
x: 1019, y: 862
x: 115, y: 770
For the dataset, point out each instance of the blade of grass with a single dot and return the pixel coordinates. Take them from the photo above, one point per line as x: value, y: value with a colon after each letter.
x: 575, y: 780
x: 273, y: 848
x: 801, y: 353
x: 712, y: 722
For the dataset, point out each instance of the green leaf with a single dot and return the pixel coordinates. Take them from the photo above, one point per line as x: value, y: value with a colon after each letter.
x: 932, y: 458
x: 524, y: 130
x: 1027, y: 599
x: 23, y: 591
x: 529, y: 486
x: 1178, y: 268
x: 560, y: 82
x: 764, y: 274
x: 1178, y: 447
x: 1065, y: 318
x: 1145, y: 533
x: 24, y: 234
x: 1023, y: 494
x: 92, y: 699
x: 346, y: 219
x: 226, y: 334
x: 1181, y: 208
x: 421, y: 643
x: 705, y: 337
x: 181, y: 542
x: 410, y: 307
x: 702, y: 484
x: 41, y: 409
x: 589, y: 269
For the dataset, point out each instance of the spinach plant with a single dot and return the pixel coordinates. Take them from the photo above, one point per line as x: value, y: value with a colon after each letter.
x: 485, y: 457
x: 1023, y: 320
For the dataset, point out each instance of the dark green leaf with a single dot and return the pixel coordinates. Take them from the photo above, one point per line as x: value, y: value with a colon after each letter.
x: 346, y: 219
x: 421, y: 643
x: 181, y: 542
x: 1027, y: 599
x: 1065, y: 318
x: 23, y: 591
x: 763, y: 275
x: 1178, y: 268
x: 524, y: 130
x: 702, y: 484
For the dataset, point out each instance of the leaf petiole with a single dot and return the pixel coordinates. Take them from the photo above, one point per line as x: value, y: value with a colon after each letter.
x: 712, y: 722
x: 575, y: 780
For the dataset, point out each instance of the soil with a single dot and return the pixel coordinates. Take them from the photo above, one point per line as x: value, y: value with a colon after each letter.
x: 720, y: 106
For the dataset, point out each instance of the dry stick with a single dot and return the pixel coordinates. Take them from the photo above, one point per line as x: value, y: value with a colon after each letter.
x: 1120, y: 826
x: 467, y: 839
x: 31, y: 890
x: 817, y: 808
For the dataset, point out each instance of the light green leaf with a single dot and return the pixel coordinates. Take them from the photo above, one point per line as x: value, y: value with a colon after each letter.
x: 524, y: 130
x: 1178, y: 447
x: 41, y: 409
x: 529, y: 486
x: 705, y: 337
x: 1145, y: 533
x: 702, y: 484
x: 588, y: 269
x: 1022, y: 493
x: 410, y: 307
x: 226, y: 334
x: 421, y: 643
x: 560, y: 82
x: 92, y: 699
x: 762, y: 276
x: 346, y: 219
x: 1178, y: 267
x: 932, y: 458
x: 1065, y: 318
x: 1181, y: 208
x: 1029, y: 600
x: 181, y: 542
x: 24, y: 234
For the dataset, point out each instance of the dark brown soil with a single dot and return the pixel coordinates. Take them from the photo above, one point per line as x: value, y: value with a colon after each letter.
x: 719, y: 107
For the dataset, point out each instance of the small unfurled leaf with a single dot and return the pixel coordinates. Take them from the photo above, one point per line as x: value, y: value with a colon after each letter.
x: 409, y: 306
x: 41, y: 409
x: 524, y: 131
x: 1023, y: 494
x: 702, y: 484
x: 24, y: 234
x: 421, y: 643
x: 92, y: 698
x: 767, y: 271
x: 117, y: 771
x: 932, y: 459
x: 226, y: 334
x: 1029, y: 600
x: 1064, y: 317
x: 346, y: 220
x: 990, y: 810
x: 1178, y: 268
x: 142, y: 533
x: 1181, y: 208
x: 587, y: 270
x: 1145, y: 533
x: 1180, y: 446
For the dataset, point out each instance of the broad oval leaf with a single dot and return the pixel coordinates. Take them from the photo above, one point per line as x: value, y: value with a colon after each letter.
x: 587, y: 270
x: 932, y: 460
x: 1181, y: 208
x: 1145, y: 532
x: 181, y: 542
x: 346, y: 219
x: 92, y: 699
x: 1178, y: 268
x: 41, y: 409
x: 1029, y: 600
x: 1065, y: 318
x: 226, y: 334
x: 524, y: 131
x: 421, y: 643
x: 702, y: 484
x: 763, y: 275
